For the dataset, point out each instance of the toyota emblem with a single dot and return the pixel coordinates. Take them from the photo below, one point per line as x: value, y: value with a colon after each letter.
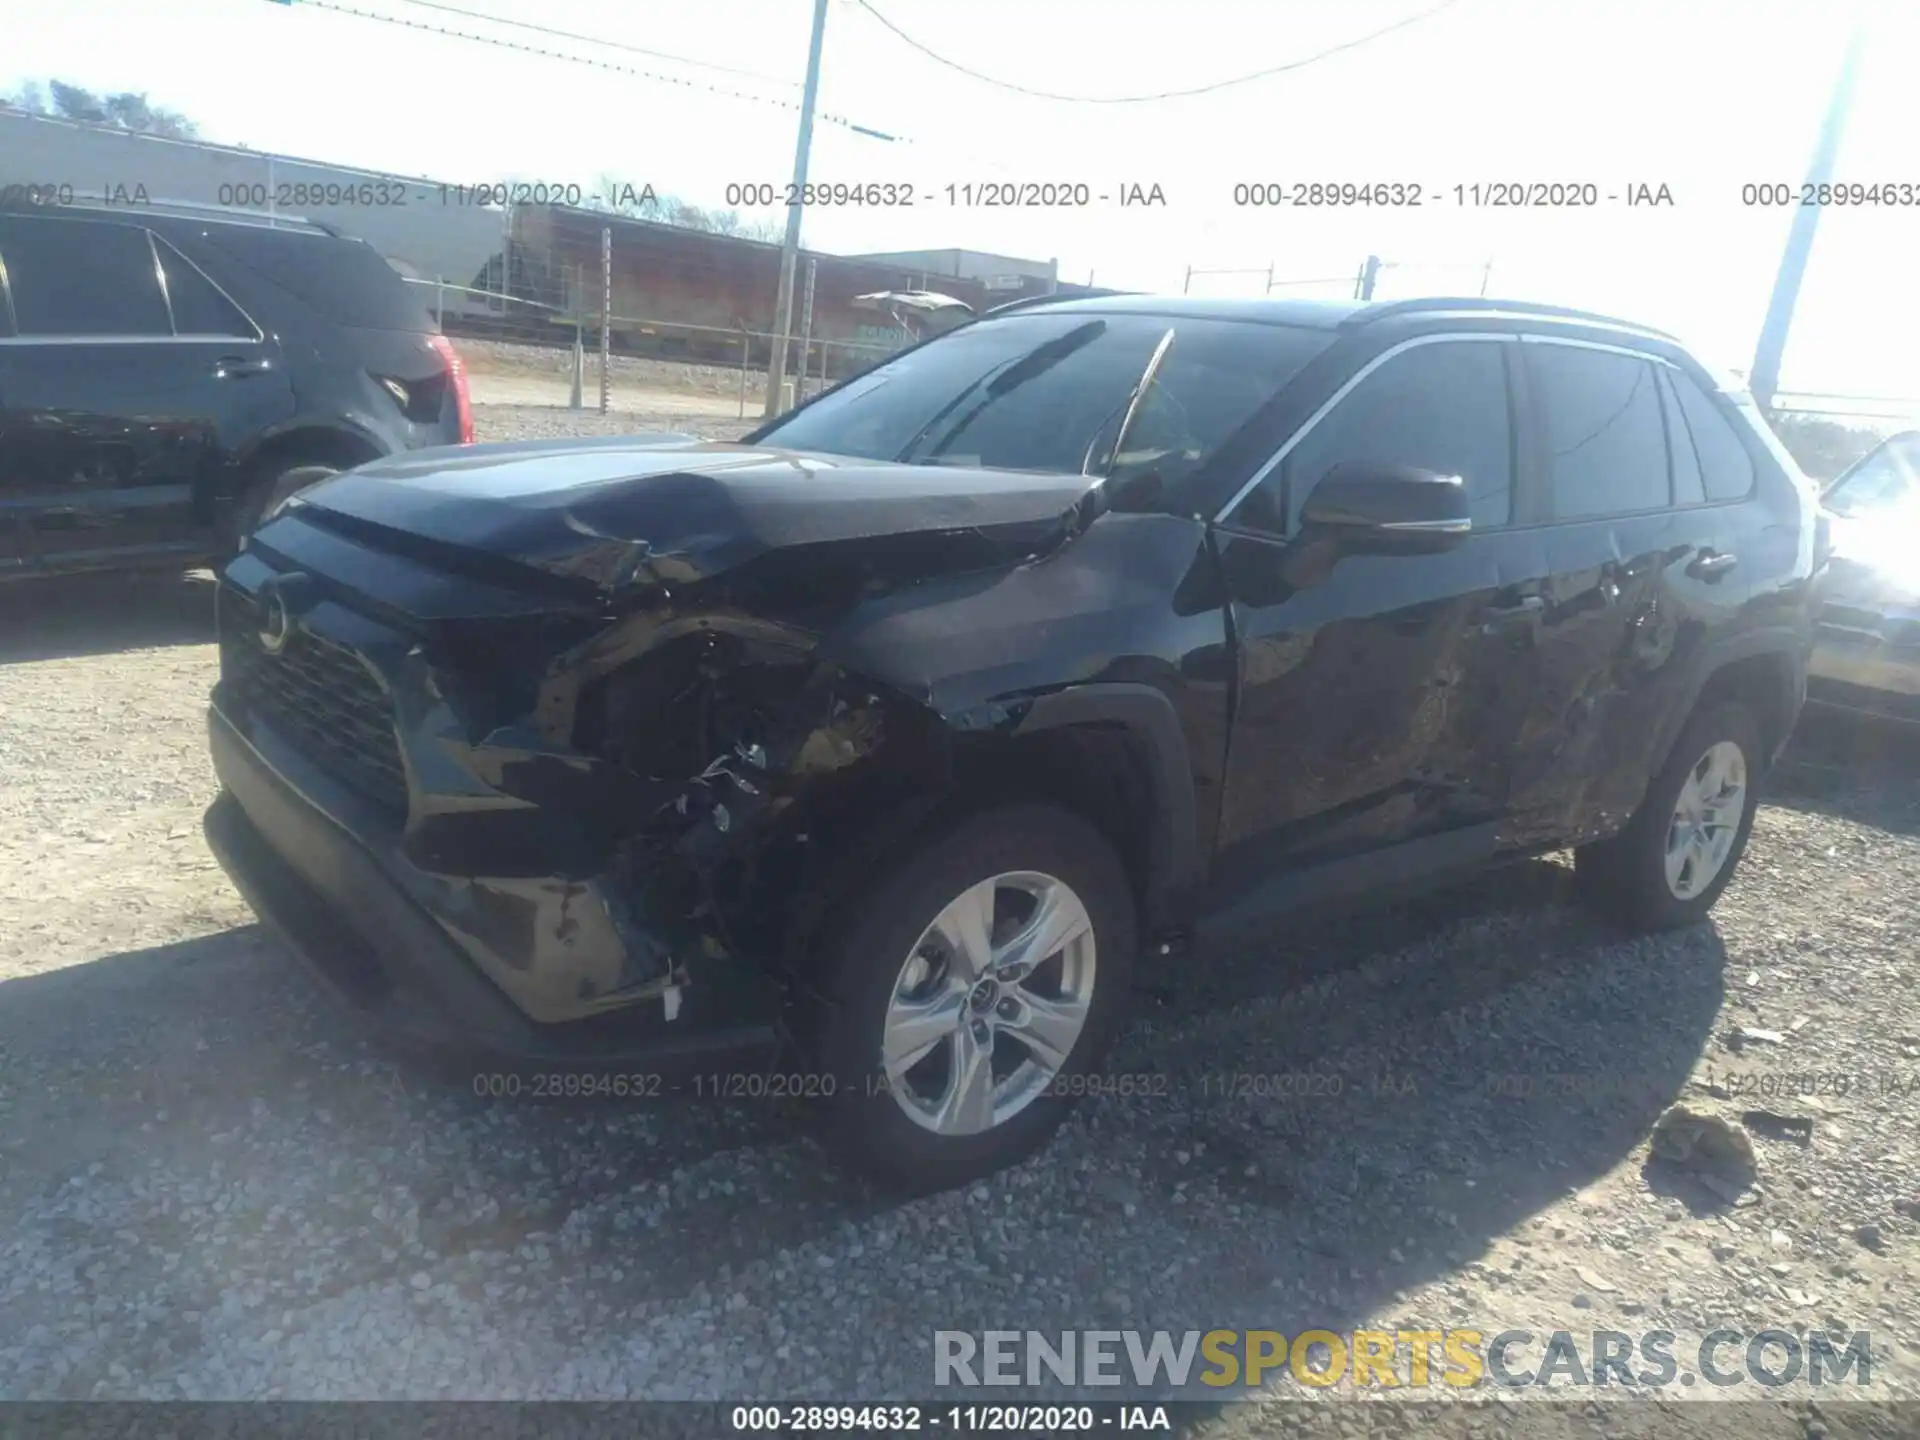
x: 276, y: 623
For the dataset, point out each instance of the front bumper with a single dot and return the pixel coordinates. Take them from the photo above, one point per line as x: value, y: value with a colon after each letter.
x: 346, y: 901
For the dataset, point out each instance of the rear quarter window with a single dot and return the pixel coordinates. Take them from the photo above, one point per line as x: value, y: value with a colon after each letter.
x: 346, y: 281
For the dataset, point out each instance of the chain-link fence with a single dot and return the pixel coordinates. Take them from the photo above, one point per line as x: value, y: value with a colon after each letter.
x: 581, y: 319
x: 1827, y: 433
x: 575, y: 307
x: 656, y: 334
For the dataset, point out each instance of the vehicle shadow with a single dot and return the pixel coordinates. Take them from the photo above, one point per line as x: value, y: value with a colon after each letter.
x: 1459, y: 1031
x: 74, y: 615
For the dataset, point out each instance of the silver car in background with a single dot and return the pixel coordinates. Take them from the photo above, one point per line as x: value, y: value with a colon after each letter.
x: 1866, y: 655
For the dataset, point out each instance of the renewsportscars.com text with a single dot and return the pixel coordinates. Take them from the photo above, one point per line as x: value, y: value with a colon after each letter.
x: 1154, y: 1361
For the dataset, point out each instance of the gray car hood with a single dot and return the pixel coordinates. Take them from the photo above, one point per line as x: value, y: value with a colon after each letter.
x: 671, y: 508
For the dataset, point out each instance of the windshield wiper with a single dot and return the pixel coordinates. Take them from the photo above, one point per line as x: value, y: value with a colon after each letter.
x: 998, y: 382
x: 1135, y: 398
x: 1100, y: 499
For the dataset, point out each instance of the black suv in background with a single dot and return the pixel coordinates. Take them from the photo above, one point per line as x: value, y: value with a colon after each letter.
x: 922, y: 723
x: 168, y: 374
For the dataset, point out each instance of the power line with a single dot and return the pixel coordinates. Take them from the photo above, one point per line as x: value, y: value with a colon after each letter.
x: 1207, y: 89
x: 618, y: 69
x: 852, y: 127
x: 598, y: 40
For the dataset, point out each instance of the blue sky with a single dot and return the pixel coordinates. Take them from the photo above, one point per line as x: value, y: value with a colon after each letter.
x: 1699, y: 95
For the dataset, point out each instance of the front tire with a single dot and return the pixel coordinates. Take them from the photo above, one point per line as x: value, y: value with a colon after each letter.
x: 968, y: 994
x: 1668, y: 867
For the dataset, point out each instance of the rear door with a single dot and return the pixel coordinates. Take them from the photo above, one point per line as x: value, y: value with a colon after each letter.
x: 1634, y: 583
x: 1377, y: 706
x: 127, y: 383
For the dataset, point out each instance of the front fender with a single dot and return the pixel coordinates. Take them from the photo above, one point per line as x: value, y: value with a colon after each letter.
x: 1148, y: 716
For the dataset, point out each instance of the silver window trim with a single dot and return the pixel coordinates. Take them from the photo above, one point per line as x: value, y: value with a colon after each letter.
x: 160, y: 279
x: 154, y: 244
x: 1510, y: 337
x: 1573, y: 344
x: 258, y: 335
x: 1352, y: 382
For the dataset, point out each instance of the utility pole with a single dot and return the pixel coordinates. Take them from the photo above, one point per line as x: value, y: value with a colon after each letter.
x: 1765, y: 377
x: 1369, y: 272
x: 790, y: 249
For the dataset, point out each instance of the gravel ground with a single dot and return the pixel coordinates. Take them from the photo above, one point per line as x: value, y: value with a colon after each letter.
x: 212, y: 1186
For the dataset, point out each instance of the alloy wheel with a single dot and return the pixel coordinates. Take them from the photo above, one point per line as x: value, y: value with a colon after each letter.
x: 989, y: 1003
x: 1706, y: 819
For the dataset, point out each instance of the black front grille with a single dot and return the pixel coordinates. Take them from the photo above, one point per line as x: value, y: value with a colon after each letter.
x: 319, y: 696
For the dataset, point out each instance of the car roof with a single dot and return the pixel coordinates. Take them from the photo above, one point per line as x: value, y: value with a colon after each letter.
x: 165, y: 212
x: 1337, y: 315
x: 1310, y: 314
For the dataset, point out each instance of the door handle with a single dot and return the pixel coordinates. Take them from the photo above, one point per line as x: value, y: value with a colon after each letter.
x: 235, y: 366
x: 1710, y: 564
x: 1498, y: 615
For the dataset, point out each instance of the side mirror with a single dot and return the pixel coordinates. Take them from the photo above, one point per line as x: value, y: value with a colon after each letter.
x: 1373, y: 509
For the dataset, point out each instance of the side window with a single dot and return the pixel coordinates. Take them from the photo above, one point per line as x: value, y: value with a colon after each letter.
x: 1607, y: 448
x: 1725, y: 466
x: 82, y: 277
x: 1439, y: 407
x: 198, y: 306
x: 1688, y: 488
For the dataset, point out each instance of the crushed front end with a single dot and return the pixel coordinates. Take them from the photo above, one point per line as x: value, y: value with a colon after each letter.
x: 497, y: 816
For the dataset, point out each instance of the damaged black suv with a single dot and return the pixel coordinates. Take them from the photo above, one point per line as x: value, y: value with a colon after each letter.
x: 921, y: 725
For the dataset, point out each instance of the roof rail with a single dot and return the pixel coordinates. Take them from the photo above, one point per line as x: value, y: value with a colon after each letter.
x: 1024, y: 301
x: 186, y: 210
x: 1442, y: 303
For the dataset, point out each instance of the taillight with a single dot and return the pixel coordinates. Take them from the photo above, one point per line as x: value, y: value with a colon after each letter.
x: 456, y: 377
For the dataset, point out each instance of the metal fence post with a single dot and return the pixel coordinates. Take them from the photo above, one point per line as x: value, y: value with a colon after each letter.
x: 578, y: 297
x: 745, y: 361
x: 606, y: 316
x: 806, y: 330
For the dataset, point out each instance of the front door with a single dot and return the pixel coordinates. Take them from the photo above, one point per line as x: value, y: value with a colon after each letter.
x: 125, y: 384
x: 1377, y: 704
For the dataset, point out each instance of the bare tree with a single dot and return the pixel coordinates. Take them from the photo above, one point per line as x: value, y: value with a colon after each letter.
x: 126, y: 110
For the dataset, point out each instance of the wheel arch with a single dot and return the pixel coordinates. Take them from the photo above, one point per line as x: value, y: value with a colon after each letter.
x: 1150, y: 810
x: 1765, y: 670
x: 337, y: 443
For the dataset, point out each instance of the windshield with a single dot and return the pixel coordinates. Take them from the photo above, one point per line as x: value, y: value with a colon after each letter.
x: 1886, y: 480
x: 1048, y: 392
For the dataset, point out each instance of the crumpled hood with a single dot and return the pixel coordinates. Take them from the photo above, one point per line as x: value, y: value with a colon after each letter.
x: 668, y: 509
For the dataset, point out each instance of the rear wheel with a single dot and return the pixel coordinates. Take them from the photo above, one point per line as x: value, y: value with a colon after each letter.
x: 1668, y: 867
x: 259, y: 501
x: 966, y: 991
